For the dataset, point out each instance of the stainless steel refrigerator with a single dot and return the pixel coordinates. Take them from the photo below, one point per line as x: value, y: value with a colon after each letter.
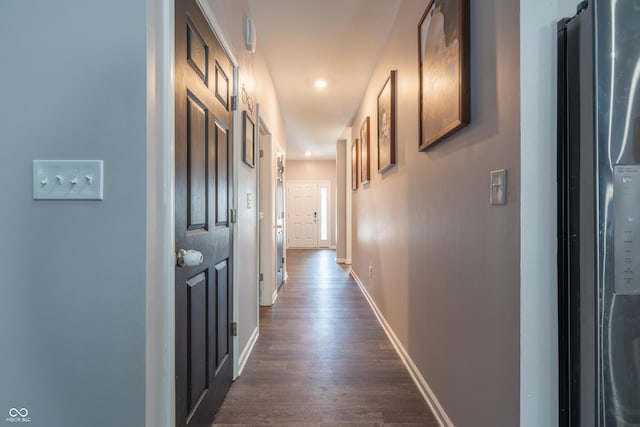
x: 599, y: 214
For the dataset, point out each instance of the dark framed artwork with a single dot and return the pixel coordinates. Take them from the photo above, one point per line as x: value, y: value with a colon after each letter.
x: 387, y: 124
x: 443, y: 41
x: 365, y: 169
x: 354, y: 165
x: 248, y: 140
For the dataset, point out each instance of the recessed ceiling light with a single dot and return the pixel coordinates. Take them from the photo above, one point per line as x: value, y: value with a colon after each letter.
x: 307, y: 154
x: 320, y: 84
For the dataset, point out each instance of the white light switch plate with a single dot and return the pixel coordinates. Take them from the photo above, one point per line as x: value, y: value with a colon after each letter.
x: 67, y: 179
x: 498, y: 187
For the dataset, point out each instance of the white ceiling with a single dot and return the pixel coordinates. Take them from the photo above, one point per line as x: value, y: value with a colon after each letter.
x: 336, y: 40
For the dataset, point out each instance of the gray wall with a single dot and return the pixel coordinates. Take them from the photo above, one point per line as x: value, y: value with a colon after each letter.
x: 445, y: 263
x: 72, y: 274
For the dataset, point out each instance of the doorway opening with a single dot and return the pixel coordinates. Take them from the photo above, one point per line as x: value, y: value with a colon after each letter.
x: 271, y: 259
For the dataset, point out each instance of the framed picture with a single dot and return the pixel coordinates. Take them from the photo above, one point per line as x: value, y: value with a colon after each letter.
x: 248, y: 140
x: 364, y: 152
x: 443, y: 41
x: 387, y: 124
x: 354, y: 165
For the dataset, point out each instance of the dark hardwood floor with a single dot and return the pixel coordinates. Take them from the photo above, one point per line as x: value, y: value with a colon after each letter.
x: 322, y: 359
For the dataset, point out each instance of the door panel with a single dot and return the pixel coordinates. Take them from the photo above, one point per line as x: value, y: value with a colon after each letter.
x: 222, y: 338
x: 222, y: 86
x: 222, y: 173
x: 197, y: 147
x: 197, y: 337
x: 203, y: 312
x: 197, y: 52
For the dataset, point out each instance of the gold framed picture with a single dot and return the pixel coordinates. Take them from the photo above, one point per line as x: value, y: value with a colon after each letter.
x: 443, y: 40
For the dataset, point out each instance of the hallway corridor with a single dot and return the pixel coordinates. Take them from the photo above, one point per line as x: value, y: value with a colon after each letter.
x: 322, y: 359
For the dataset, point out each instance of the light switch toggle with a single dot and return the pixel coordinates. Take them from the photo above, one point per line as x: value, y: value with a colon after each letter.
x: 498, y: 190
x: 60, y: 179
x: 44, y: 181
x: 89, y: 179
x: 74, y: 180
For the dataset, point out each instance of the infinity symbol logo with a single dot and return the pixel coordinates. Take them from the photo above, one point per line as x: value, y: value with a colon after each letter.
x: 22, y: 412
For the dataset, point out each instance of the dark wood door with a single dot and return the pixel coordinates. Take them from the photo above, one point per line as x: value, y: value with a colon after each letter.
x: 203, y: 79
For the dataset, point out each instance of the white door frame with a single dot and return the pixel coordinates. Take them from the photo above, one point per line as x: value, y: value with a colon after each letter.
x: 266, y: 174
x: 320, y: 183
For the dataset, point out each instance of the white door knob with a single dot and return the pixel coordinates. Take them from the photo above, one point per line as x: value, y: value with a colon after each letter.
x: 189, y: 258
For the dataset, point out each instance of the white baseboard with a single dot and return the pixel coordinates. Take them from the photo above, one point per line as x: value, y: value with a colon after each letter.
x: 347, y: 261
x: 332, y: 247
x: 415, y: 373
x: 246, y: 352
x: 341, y: 260
x: 274, y: 297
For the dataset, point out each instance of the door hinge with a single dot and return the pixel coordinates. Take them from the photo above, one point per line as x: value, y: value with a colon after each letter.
x: 283, y: 260
x: 261, y: 153
x: 233, y: 329
x: 234, y: 103
x: 233, y: 213
x: 261, y: 277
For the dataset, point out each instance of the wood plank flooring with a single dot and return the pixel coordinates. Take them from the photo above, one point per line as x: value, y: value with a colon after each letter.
x: 322, y: 359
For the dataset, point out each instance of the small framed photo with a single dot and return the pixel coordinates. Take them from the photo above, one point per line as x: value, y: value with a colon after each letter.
x: 354, y: 165
x: 248, y: 140
x: 365, y: 169
x: 443, y: 41
x: 387, y: 124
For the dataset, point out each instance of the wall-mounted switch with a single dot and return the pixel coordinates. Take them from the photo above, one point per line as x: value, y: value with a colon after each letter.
x: 498, y: 190
x: 67, y: 179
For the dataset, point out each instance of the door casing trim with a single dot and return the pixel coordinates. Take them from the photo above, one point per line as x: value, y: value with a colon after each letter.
x: 160, y: 236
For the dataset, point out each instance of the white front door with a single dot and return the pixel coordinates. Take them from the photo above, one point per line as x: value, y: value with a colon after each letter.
x: 302, y: 228
x: 309, y: 214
